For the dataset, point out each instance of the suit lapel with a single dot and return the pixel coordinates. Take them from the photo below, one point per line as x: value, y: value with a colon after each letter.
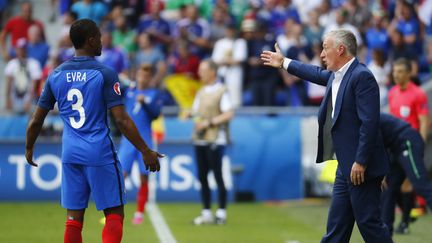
x: 327, y: 95
x: 341, y: 90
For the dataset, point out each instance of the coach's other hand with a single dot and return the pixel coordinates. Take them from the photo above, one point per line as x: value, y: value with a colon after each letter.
x: 273, y: 59
x: 151, y: 160
x: 358, y: 173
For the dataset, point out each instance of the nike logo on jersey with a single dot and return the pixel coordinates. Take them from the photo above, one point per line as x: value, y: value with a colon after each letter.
x: 76, y: 77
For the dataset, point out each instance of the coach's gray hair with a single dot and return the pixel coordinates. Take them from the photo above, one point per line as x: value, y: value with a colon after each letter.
x: 346, y: 38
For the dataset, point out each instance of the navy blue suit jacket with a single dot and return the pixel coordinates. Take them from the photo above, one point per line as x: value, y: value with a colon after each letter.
x: 355, y: 132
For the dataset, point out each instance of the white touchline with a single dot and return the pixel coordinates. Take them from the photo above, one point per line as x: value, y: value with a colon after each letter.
x: 161, y: 227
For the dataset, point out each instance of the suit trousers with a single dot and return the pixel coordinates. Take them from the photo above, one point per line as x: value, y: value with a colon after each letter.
x: 358, y: 204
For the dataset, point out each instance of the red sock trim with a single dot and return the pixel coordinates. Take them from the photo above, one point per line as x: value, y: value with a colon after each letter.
x: 74, y: 223
x: 72, y: 232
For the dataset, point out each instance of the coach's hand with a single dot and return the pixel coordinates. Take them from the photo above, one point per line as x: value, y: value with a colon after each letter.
x: 358, y: 173
x: 274, y: 59
x: 29, y: 157
x: 151, y: 160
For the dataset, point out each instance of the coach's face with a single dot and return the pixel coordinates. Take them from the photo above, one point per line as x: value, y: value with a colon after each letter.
x: 329, y: 54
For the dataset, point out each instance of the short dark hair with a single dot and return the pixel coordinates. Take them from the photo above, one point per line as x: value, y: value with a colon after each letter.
x: 81, y: 30
x: 403, y: 61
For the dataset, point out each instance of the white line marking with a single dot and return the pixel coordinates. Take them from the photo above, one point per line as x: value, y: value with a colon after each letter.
x: 162, y: 229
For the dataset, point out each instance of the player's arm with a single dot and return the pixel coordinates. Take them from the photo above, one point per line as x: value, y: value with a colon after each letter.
x: 129, y: 130
x: 33, y: 129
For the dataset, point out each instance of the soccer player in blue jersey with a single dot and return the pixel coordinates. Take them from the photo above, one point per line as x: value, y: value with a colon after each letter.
x: 84, y: 89
x: 143, y: 104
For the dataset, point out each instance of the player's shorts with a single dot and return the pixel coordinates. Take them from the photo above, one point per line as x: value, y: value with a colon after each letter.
x: 127, y: 154
x: 105, y: 183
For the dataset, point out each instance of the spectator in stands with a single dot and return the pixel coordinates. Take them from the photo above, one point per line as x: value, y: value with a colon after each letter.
x: 90, y: 9
x: 316, y: 92
x: 220, y: 19
x: 156, y: 26
x: 376, y: 36
x: 68, y: 18
x: 65, y: 49
x: 327, y: 16
x: 17, y: 27
x: 37, y: 47
x: 53, y: 62
x: 182, y: 61
x: 195, y: 30
x: 229, y: 53
x: 262, y: 79
x: 284, y: 10
x: 21, y: 73
x: 147, y: 54
x: 295, y: 89
x: 381, y: 69
x: 400, y: 49
x: 287, y: 39
x: 313, y: 31
x: 341, y: 16
x: 123, y: 36
x: 407, y: 23
x: 112, y: 56
x: 359, y: 13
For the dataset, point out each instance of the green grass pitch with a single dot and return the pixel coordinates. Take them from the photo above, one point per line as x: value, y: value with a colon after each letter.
x: 300, y: 222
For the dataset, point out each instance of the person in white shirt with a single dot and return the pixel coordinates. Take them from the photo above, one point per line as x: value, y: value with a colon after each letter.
x: 21, y: 73
x: 229, y: 53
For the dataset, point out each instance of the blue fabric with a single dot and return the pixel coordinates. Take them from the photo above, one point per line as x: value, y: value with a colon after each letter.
x: 39, y: 51
x: 95, y: 11
x: 114, y: 58
x: 105, y: 183
x: 84, y: 89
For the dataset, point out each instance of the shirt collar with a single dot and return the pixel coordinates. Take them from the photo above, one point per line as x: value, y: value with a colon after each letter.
x: 82, y: 58
x: 341, y: 72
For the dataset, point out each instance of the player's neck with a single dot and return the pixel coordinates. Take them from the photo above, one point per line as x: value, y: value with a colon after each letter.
x: 83, y: 53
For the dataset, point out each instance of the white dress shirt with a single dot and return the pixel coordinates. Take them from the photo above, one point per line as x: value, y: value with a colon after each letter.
x: 339, y: 74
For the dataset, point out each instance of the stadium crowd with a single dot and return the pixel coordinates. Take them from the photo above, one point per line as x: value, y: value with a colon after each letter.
x: 173, y: 36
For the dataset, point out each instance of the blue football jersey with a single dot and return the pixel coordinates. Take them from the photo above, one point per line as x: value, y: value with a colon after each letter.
x: 84, y: 89
x: 143, y: 113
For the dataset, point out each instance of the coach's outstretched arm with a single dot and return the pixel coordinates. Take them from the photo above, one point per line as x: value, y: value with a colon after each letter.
x: 304, y: 71
x: 128, y: 128
x: 33, y: 129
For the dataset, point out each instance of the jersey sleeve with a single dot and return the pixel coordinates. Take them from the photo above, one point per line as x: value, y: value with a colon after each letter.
x: 112, y: 89
x: 422, y: 104
x: 47, y: 99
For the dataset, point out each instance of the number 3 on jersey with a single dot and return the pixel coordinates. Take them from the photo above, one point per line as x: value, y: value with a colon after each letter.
x: 76, y: 107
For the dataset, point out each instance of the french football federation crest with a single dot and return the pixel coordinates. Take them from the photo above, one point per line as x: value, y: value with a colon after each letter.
x: 117, y: 88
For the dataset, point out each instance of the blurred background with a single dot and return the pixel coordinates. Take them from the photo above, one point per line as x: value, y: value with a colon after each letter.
x: 272, y: 154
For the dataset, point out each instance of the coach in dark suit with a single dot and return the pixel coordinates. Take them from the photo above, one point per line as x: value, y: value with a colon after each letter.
x: 348, y: 120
